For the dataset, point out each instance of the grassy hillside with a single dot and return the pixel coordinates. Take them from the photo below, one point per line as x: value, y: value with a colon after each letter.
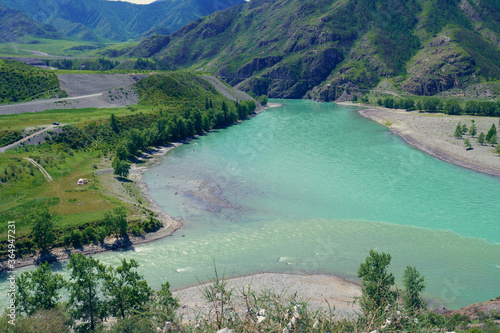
x: 324, y: 49
x: 174, y: 106
x: 19, y: 82
x: 102, y: 20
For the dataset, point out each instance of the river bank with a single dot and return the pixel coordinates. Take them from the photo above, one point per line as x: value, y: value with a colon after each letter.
x: 116, y: 188
x: 432, y: 133
x: 322, y: 292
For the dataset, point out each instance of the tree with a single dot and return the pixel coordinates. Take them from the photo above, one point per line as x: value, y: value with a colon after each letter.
x: 117, y: 222
x: 376, y: 285
x: 120, y: 168
x: 480, y: 138
x: 467, y: 143
x: 464, y: 129
x: 43, y: 228
x: 493, y: 140
x: 126, y: 289
x: 354, y: 98
x: 458, y: 131
x: 473, y: 128
x: 84, y: 290
x: 121, y: 152
x: 38, y: 289
x: 491, y: 132
x: 165, y: 303
x: 113, y: 123
x: 414, y: 285
x: 497, y: 150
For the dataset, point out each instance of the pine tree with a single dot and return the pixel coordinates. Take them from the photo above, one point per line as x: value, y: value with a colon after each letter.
x: 480, y: 138
x: 464, y: 129
x: 493, y: 140
x: 491, y: 132
x: 458, y: 131
x: 473, y: 128
x: 467, y: 143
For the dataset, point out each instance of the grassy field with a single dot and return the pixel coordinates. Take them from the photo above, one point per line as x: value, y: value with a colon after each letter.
x: 23, y: 187
x: 65, y: 116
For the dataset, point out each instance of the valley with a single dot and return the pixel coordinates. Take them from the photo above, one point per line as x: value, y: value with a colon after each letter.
x: 268, y: 142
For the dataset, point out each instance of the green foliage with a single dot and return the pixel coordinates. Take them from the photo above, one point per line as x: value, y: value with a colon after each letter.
x: 492, y: 132
x: 263, y: 100
x: 125, y: 289
x: 42, y: 227
x: 165, y: 303
x: 120, y: 167
x: 414, y: 285
x: 473, y: 128
x: 493, y: 139
x: 85, y: 302
x: 443, y: 12
x: 458, y: 131
x: 481, y: 138
x: 20, y: 82
x: 376, y: 286
x: 161, y: 89
x: 38, y: 290
x: 467, y: 143
x: 116, y: 222
x: 8, y: 137
x: 44, y: 321
x: 486, y: 56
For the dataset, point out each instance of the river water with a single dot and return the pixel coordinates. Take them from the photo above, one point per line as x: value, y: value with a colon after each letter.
x: 311, y: 188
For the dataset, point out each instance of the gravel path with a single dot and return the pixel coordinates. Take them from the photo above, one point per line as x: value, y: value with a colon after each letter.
x: 42, y: 170
x: 433, y: 134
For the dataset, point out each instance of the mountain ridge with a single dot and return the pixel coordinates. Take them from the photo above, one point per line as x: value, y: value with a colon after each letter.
x: 100, y: 20
x: 325, y: 49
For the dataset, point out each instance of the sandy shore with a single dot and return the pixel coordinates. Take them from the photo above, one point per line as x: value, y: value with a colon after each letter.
x: 320, y: 291
x: 432, y: 133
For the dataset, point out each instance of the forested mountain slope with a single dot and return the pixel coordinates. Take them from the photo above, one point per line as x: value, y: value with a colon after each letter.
x: 324, y: 48
x: 95, y: 20
x: 15, y: 25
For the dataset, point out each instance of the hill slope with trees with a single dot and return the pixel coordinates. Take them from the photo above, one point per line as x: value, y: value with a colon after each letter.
x: 97, y: 20
x: 324, y: 49
x: 15, y: 26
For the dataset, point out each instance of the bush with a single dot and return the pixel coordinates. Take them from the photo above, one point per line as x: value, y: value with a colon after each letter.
x: 76, y: 238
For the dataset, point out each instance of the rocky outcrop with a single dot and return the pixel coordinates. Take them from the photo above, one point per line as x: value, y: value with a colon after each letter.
x: 439, y: 66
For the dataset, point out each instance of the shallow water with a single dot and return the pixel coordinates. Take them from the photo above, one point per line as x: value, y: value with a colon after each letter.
x: 312, y: 187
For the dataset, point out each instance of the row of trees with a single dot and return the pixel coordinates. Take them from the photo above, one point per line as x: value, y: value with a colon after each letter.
x: 44, y: 234
x: 167, y: 127
x: 452, y: 107
x: 96, y: 292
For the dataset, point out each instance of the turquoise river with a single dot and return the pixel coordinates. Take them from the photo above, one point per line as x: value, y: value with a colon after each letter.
x: 311, y: 188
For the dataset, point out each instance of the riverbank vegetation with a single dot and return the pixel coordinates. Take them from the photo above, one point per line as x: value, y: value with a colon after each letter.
x: 118, y: 299
x: 174, y: 107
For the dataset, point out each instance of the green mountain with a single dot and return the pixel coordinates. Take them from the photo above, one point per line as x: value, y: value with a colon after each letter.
x: 15, y: 25
x: 323, y: 49
x: 95, y: 20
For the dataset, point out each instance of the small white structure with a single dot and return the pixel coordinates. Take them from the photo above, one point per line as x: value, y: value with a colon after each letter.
x: 80, y: 182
